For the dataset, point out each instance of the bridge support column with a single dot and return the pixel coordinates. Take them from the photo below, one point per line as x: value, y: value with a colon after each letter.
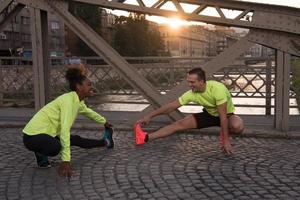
x: 268, y: 86
x: 40, y: 56
x: 282, y: 89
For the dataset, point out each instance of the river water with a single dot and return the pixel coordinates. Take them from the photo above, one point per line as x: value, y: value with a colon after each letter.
x: 141, y: 104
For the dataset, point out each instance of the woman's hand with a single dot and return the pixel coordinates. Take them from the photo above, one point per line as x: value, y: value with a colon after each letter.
x: 65, y: 169
x: 108, y: 125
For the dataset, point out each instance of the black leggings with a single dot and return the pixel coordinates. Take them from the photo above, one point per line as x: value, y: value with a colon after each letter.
x: 50, y: 146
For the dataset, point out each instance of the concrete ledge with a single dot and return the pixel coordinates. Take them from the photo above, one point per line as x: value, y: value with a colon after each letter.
x: 256, y: 125
x: 249, y: 132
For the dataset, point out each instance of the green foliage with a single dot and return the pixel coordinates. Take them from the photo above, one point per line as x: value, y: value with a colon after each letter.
x: 91, y: 15
x: 133, y: 37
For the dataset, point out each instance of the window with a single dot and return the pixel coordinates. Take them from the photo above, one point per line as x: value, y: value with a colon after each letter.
x: 26, y: 37
x: 3, y: 36
x: 54, y: 25
x: 56, y: 41
x: 25, y: 20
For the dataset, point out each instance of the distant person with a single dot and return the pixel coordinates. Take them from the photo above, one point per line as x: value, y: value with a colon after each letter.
x: 218, y: 111
x: 48, y: 132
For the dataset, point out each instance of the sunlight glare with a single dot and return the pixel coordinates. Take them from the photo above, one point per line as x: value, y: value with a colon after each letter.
x: 176, y: 23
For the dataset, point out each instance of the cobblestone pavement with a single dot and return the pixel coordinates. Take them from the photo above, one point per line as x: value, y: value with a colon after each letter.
x: 183, y: 166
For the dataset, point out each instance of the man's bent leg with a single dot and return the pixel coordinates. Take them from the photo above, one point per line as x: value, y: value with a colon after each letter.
x: 188, y: 122
x: 236, y: 124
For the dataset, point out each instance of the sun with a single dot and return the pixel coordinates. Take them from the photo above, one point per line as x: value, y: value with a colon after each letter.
x: 176, y: 22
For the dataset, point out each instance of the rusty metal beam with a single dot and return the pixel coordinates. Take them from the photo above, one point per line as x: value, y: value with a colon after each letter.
x: 287, y: 20
x: 227, y: 57
x: 178, y: 7
x: 4, y: 4
x: 222, y: 60
x: 33, y: 3
x: 278, y: 40
x: 286, y: 92
x: 95, y: 42
x: 40, y: 56
x: 283, y: 67
x: 13, y: 13
x: 242, y: 5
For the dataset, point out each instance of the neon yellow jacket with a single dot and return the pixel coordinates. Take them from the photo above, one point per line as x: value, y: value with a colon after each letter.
x: 57, y: 117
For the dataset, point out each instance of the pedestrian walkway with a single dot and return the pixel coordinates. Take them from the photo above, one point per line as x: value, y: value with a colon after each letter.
x: 184, y: 166
x: 256, y: 126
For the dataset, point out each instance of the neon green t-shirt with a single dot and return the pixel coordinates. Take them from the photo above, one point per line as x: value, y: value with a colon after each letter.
x: 57, y: 117
x: 215, y: 94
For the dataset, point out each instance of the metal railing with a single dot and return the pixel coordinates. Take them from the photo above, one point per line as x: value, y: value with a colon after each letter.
x: 250, y: 81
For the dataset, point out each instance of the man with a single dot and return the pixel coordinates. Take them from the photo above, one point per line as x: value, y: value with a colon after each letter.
x: 218, y: 111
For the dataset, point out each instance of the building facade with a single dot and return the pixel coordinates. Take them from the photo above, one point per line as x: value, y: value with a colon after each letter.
x: 184, y: 41
x: 15, y: 39
x: 195, y: 40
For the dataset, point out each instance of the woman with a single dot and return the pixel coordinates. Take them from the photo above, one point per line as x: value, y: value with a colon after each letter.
x: 48, y: 132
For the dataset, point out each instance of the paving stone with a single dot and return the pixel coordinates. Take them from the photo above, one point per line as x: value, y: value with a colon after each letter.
x: 182, y: 166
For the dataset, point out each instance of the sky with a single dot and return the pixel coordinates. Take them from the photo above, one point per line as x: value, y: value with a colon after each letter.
x: 210, y: 12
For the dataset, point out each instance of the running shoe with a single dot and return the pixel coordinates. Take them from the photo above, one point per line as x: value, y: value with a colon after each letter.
x: 42, y: 161
x: 108, y: 138
x: 140, y: 135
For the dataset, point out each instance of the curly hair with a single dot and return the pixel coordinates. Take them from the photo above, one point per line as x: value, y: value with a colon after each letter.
x: 74, y: 76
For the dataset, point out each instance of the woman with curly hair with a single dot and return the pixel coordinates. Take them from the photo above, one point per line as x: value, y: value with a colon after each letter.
x: 48, y: 132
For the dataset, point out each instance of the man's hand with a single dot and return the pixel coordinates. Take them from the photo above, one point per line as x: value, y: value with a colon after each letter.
x: 108, y: 125
x: 65, y: 169
x: 227, y: 148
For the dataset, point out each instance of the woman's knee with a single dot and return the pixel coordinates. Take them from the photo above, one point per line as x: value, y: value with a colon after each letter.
x: 53, y: 151
x: 43, y: 144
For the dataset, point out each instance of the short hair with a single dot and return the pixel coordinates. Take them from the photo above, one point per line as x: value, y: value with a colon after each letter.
x: 199, y: 72
x: 74, y: 76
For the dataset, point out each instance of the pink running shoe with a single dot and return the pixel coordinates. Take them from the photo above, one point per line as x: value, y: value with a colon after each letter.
x: 140, y: 135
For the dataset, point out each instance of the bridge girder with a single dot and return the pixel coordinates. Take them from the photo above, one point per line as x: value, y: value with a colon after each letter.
x: 267, y: 17
x: 11, y: 15
x: 266, y: 22
x: 277, y: 21
x: 4, y: 4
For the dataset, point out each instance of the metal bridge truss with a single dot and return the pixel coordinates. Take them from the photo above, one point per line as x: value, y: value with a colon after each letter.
x: 277, y: 27
x: 243, y: 80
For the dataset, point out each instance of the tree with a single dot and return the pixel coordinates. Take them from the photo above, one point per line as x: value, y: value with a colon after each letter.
x: 296, y: 79
x: 296, y: 73
x: 91, y: 15
x: 133, y: 37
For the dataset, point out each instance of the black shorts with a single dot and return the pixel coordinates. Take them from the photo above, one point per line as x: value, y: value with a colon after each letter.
x: 204, y: 119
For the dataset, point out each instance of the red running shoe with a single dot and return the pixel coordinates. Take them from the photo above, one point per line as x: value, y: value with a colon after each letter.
x: 140, y: 135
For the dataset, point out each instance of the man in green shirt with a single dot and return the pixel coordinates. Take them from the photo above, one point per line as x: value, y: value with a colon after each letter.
x: 218, y: 111
x: 48, y: 132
